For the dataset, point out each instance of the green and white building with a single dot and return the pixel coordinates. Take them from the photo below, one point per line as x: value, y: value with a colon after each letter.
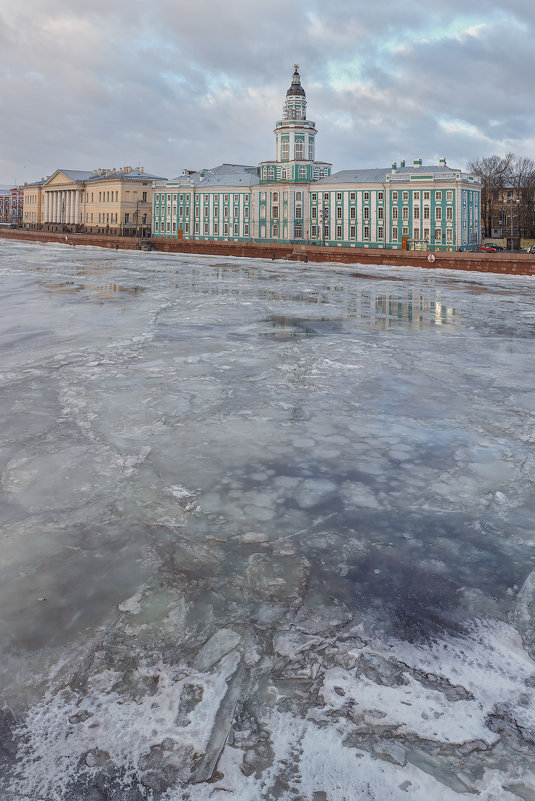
x: 296, y: 199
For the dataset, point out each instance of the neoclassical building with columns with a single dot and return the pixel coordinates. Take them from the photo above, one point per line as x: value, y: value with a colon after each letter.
x: 296, y: 199
x: 105, y: 201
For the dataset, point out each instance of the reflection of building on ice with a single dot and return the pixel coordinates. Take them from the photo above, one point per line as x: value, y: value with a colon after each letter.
x: 296, y: 199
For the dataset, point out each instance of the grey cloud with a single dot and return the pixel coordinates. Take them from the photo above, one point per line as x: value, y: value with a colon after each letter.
x: 100, y: 84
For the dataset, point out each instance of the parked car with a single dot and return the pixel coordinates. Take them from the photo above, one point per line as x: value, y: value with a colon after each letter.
x: 531, y: 249
x: 495, y: 246
x: 487, y: 248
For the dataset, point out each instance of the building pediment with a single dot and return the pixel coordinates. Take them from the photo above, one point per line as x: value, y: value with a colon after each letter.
x: 67, y: 179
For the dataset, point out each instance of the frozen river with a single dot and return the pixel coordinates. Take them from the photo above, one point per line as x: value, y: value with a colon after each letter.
x: 267, y: 530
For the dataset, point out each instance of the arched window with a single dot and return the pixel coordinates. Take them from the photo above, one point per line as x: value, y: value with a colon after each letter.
x: 302, y: 172
x: 299, y: 150
x: 298, y: 230
x: 275, y: 231
x: 271, y: 173
x: 275, y: 197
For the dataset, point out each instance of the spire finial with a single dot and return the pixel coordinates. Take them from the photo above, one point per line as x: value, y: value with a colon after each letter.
x: 296, y: 67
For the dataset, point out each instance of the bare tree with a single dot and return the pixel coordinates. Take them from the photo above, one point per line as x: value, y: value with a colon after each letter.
x: 494, y: 173
x: 521, y: 180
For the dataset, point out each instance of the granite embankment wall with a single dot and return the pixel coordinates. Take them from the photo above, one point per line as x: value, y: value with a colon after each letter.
x: 505, y: 263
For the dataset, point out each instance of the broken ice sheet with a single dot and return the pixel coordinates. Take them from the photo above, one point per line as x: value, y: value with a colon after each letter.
x: 264, y: 567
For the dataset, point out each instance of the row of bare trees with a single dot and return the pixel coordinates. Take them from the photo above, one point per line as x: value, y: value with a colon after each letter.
x: 504, y: 178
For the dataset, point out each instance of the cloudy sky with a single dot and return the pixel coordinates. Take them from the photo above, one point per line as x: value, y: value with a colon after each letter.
x: 167, y: 84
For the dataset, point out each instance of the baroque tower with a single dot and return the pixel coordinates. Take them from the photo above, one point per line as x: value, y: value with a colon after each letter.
x: 294, y: 142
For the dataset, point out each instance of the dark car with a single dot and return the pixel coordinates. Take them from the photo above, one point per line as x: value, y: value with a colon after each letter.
x: 487, y: 248
x: 495, y: 246
x: 531, y: 249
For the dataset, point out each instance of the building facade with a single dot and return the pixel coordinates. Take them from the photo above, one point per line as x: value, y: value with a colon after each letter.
x: 296, y: 199
x: 11, y: 205
x: 115, y: 202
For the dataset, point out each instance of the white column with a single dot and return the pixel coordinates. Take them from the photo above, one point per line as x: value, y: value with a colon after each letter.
x: 77, y: 207
x: 68, y: 207
x: 55, y: 212
x: 45, y: 219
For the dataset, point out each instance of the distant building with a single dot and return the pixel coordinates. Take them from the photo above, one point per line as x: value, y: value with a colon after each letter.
x: 115, y: 202
x: 11, y: 205
x: 294, y: 198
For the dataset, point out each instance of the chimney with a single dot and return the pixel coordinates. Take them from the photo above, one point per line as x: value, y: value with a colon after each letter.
x: 402, y: 163
x: 442, y: 161
x: 417, y: 162
x: 394, y: 166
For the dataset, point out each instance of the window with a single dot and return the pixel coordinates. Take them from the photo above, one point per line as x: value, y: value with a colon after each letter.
x: 449, y: 195
x: 426, y: 234
x: 426, y: 195
x: 366, y: 232
x: 352, y: 232
x: 298, y: 230
x: 366, y: 212
x: 246, y: 212
x: 299, y: 150
x: 366, y: 197
x: 236, y: 229
x: 186, y: 228
x: 352, y: 195
x: 126, y: 218
x: 394, y: 197
x: 181, y: 198
x: 311, y: 150
x: 302, y: 172
x: 338, y: 212
x: 284, y: 174
x: 225, y: 211
x: 339, y: 197
x: 275, y: 212
x: 196, y: 226
x: 449, y: 213
x: 352, y: 212
x: 174, y: 227
x: 326, y: 231
x: 275, y: 231
x: 405, y: 196
x: 449, y: 235
x: 225, y: 229
x: 380, y: 212
x: 225, y: 198
x: 216, y: 229
x: 236, y: 198
x: 416, y: 233
x: 216, y: 211
x: 206, y: 227
x: 338, y: 231
x: 395, y: 213
x: 314, y: 197
x: 314, y: 213
x: 405, y: 232
x: 405, y: 213
x: 157, y: 227
x: 394, y: 233
x: 438, y: 213
x: 380, y: 232
x: 246, y: 229
x: 325, y: 197
x: 298, y: 211
x: 197, y: 212
x: 298, y: 196
x: 438, y: 197
x: 314, y: 231
x: 285, y: 151
x: 275, y: 197
x: 416, y: 196
x: 380, y: 196
x: 438, y: 234
x: 426, y: 212
x: 416, y: 212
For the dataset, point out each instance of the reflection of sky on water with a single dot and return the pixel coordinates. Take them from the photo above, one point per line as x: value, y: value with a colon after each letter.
x: 257, y: 514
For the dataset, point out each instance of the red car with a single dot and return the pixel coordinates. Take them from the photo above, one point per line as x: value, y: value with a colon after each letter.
x: 487, y: 248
